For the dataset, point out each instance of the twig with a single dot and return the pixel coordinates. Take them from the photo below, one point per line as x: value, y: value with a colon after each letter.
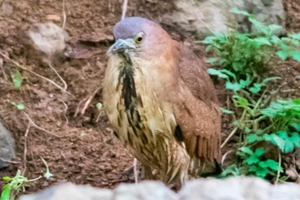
x: 224, y: 156
x: 9, y: 161
x: 64, y: 16
x: 1, y: 66
x: 228, y: 138
x: 135, y: 171
x: 86, y: 103
x: 124, y: 9
x: 32, y: 72
x: 65, y: 110
x: 38, y: 127
x: 25, y: 149
x: 61, y: 79
x: 279, y: 166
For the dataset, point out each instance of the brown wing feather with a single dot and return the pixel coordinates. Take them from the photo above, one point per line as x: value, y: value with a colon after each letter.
x: 197, y: 111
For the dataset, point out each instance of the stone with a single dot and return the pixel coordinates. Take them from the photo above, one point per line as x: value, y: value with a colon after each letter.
x: 147, y: 191
x: 207, y: 17
x: 7, y: 145
x: 67, y: 191
x: 6, y: 9
x: 49, y: 38
x: 236, y: 188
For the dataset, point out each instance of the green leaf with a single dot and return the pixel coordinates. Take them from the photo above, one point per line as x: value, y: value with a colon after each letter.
x: 252, y: 160
x: 224, y: 110
x: 276, y: 40
x: 295, y: 139
x: 243, y: 102
x: 233, y: 86
x: 209, y: 40
x: 19, y: 106
x: 231, y: 169
x: 253, y: 138
x: 208, y: 48
x: 244, y: 83
x: 212, y: 60
x: 295, y: 55
x: 255, y: 88
x: 237, y: 11
x: 5, y: 195
x: 295, y: 36
x: 296, y: 126
x: 259, y: 171
x: 229, y: 73
x: 218, y: 73
x: 259, y: 151
x: 6, y: 178
x: 17, y: 79
x: 246, y: 150
x: 262, y: 41
x: 272, y: 164
x: 271, y: 79
x: 282, y: 55
x: 237, y: 66
x: 275, y: 139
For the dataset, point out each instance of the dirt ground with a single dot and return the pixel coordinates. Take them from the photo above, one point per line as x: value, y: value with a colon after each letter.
x: 78, y: 147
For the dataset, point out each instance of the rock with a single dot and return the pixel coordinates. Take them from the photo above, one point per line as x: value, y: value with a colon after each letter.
x: 205, y: 17
x: 238, y: 188
x: 146, y: 191
x: 6, y: 9
x: 67, y: 191
x: 49, y: 38
x: 247, y: 188
x: 7, y: 145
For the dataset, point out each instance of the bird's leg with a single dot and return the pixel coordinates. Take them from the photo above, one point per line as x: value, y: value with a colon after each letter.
x: 135, y: 172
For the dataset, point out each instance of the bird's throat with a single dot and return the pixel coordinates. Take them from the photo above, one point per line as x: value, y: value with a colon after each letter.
x: 132, y: 100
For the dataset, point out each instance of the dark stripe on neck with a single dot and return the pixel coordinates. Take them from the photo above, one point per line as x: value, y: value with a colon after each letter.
x: 128, y: 93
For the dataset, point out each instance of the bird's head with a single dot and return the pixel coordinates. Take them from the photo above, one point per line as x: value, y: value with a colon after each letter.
x: 139, y: 37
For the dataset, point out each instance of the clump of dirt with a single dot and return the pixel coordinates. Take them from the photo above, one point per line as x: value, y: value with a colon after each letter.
x: 77, y: 144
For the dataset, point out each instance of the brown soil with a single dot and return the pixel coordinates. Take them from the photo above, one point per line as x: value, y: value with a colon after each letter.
x: 77, y: 147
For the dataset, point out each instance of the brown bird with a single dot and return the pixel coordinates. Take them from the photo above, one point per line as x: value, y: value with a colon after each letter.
x: 161, y: 101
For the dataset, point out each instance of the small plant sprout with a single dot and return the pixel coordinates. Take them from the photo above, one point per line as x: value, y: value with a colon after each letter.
x: 99, y: 108
x: 17, y: 78
x: 47, y: 174
x: 19, y: 106
x: 14, y: 185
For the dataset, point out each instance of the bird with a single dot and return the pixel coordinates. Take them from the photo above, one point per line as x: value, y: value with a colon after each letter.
x: 161, y: 103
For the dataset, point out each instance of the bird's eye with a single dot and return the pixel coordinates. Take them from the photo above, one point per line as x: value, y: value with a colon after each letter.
x: 139, y: 37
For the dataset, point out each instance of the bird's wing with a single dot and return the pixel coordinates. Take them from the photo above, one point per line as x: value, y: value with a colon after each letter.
x: 196, y: 109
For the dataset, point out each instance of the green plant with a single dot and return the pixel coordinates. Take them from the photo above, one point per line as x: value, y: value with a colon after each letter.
x: 259, y: 119
x: 17, y: 78
x: 19, y: 106
x: 289, y: 46
x: 16, y: 183
x: 243, y: 54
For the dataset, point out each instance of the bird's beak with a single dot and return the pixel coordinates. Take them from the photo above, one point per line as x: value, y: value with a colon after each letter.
x: 121, y: 45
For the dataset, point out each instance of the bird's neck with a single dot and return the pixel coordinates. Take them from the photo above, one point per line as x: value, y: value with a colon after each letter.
x: 132, y: 100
